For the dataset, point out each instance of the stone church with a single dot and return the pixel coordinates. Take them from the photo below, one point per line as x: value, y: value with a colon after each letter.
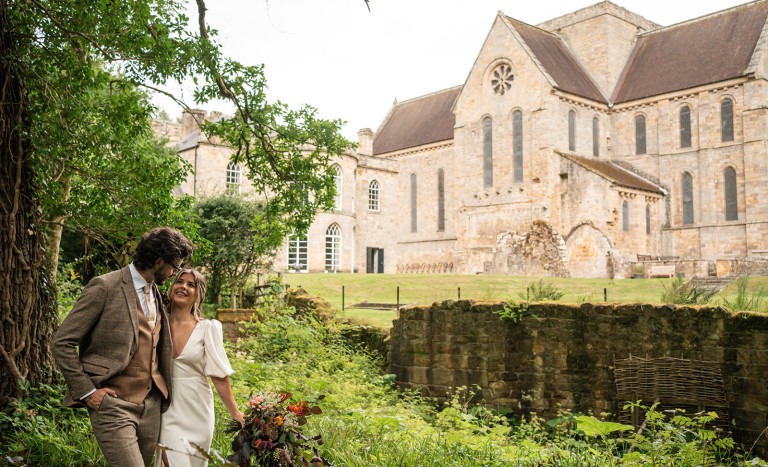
x: 595, y: 144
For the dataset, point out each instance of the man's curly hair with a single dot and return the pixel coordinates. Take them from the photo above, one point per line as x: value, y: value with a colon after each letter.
x: 164, y: 243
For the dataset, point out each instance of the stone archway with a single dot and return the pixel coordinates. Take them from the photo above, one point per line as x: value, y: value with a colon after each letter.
x: 590, y: 253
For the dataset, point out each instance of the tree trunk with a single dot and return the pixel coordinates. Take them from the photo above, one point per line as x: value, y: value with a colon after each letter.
x: 27, y: 295
x: 55, y: 229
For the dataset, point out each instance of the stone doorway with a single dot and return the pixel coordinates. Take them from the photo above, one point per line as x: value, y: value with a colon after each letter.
x: 374, y: 260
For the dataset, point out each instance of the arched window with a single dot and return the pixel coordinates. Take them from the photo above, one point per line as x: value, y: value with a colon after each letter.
x: 726, y: 119
x: 373, y: 195
x: 685, y: 127
x: 648, y: 219
x: 640, y: 134
x: 731, y: 196
x: 596, y: 137
x: 233, y: 178
x: 337, y: 180
x: 440, y: 200
x: 297, y: 254
x: 625, y: 216
x: 572, y: 130
x: 487, y: 152
x: 413, y: 203
x: 517, y: 149
x: 333, y: 248
x: 687, y: 189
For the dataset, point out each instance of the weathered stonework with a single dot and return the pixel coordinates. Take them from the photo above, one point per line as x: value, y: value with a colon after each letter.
x: 562, y: 356
x: 579, y: 169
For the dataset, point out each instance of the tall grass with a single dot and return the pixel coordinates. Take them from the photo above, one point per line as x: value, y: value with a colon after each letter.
x: 685, y: 292
x: 37, y: 430
x: 746, y: 300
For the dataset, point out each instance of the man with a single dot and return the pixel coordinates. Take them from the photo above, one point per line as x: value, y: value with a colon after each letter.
x: 122, y: 369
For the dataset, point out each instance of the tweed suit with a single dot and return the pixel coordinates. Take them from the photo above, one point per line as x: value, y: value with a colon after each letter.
x: 104, y: 324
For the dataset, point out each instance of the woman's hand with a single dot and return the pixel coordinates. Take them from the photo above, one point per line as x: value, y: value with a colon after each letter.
x: 239, y: 418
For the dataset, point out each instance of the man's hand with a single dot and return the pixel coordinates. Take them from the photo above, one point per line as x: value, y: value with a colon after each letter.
x: 95, y: 399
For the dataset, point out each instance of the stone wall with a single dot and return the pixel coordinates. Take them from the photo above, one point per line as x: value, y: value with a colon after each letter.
x: 562, y: 356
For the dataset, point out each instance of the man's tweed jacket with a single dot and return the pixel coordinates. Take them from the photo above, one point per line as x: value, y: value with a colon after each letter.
x: 104, y: 325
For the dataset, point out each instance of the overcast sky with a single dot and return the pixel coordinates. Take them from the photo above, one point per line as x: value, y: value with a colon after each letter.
x: 352, y: 64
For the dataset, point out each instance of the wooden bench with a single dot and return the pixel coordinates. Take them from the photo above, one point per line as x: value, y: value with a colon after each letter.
x: 662, y: 271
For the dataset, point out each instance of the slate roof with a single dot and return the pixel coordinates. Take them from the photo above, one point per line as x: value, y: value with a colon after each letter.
x: 190, y: 141
x: 558, y: 61
x: 707, y: 50
x: 614, y: 173
x: 416, y: 122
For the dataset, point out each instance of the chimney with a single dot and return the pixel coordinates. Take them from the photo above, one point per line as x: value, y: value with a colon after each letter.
x: 214, y: 116
x: 365, y: 142
x: 190, y: 121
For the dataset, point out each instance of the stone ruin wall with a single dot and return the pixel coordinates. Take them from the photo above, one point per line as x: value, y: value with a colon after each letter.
x: 562, y: 356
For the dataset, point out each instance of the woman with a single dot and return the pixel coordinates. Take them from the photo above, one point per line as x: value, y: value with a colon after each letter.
x: 198, y: 353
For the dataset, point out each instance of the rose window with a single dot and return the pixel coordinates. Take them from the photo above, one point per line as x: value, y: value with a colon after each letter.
x: 501, y: 79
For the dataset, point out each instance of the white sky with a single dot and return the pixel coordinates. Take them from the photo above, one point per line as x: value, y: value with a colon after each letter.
x: 352, y: 64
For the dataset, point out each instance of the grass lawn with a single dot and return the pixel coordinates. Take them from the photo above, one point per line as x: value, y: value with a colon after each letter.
x: 425, y: 289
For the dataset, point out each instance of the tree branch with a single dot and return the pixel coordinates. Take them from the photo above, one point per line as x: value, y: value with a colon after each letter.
x: 71, y: 32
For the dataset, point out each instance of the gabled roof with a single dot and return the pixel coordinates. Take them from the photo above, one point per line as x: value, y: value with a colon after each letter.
x: 614, y: 173
x: 707, y: 50
x: 558, y: 61
x: 190, y: 141
x: 416, y: 122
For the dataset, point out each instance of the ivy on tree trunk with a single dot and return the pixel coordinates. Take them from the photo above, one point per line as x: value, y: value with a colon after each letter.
x: 27, y: 307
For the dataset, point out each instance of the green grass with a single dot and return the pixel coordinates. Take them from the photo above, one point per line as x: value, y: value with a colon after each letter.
x: 425, y: 289
x: 756, y: 285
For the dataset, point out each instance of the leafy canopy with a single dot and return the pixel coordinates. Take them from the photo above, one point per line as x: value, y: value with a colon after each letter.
x: 239, y: 238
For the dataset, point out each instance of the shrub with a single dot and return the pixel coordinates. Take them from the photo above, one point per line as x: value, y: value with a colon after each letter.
x: 745, y: 301
x: 68, y: 288
x: 683, y: 292
x: 539, y: 291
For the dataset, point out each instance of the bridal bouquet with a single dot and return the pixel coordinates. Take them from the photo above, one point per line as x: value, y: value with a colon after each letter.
x: 272, y: 434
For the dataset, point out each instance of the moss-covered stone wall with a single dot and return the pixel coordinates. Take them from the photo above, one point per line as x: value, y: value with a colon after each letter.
x: 562, y: 356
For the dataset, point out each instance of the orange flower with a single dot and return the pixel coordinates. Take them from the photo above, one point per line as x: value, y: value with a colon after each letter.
x: 279, y: 420
x: 299, y: 408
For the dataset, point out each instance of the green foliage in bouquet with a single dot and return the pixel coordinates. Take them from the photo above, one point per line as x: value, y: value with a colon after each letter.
x: 272, y: 433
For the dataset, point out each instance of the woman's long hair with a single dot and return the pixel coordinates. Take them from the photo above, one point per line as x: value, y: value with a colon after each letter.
x: 200, y: 284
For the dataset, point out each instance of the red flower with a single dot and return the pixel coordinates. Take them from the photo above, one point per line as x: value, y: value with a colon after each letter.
x: 298, y: 408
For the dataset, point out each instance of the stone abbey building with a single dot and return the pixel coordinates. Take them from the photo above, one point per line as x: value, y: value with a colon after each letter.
x: 583, y: 146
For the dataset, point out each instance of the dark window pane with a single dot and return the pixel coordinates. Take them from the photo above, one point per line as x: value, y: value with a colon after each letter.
x: 647, y: 219
x: 687, y: 198
x: 517, y: 133
x: 596, y: 137
x: 726, y: 119
x: 625, y: 216
x: 685, y: 127
x: 640, y: 134
x: 572, y: 131
x: 440, y: 200
x: 731, y: 201
x: 413, y: 203
x: 487, y: 153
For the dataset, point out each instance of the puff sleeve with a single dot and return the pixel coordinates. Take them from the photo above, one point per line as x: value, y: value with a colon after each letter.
x: 216, y: 361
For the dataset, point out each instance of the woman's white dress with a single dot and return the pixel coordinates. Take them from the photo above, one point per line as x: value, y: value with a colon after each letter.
x: 190, y: 417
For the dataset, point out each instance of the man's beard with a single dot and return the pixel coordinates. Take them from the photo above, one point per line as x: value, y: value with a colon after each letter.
x: 159, y: 277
